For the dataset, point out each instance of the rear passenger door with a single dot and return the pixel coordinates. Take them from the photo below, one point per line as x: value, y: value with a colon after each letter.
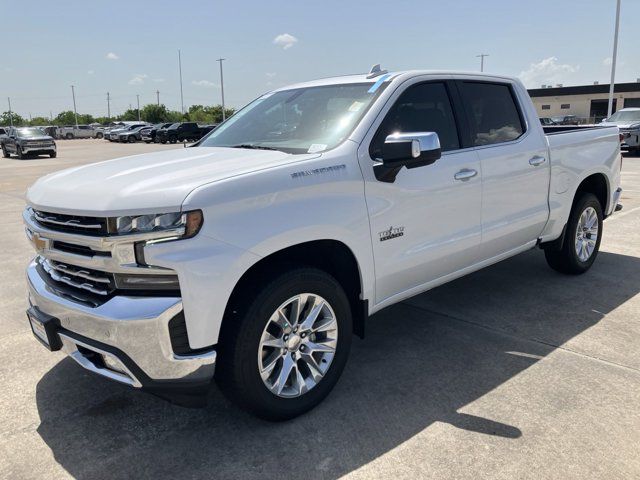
x: 515, y: 166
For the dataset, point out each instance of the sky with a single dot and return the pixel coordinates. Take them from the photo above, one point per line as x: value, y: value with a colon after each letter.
x: 129, y: 48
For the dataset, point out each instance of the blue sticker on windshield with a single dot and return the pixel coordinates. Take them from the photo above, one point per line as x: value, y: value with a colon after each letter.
x: 380, y: 81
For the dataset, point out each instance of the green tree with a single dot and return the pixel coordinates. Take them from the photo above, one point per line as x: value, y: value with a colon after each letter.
x: 153, y: 113
x: 6, y: 118
x: 65, y: 118
x: 40, y: 121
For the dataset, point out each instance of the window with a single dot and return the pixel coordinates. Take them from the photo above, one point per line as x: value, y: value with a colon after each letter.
x: 565, y: 106
x: 421, y: 108
x: 492, y: 111
x: 546, y: 107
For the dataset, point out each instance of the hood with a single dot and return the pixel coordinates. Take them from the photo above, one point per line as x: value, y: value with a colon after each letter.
x: 39, y: 138
x: 148, y: 183
x: 634, y: 124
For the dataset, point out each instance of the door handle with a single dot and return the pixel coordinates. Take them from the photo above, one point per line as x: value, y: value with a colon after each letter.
x: 465, y: 174
x: 537, y: 160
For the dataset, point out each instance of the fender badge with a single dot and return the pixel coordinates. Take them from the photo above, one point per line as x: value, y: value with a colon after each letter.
x: 392, y: 232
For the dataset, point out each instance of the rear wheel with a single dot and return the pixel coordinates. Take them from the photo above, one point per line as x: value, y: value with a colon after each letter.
x: 132, y: 139
x: 5, y: 154
x: 69, y: 136
x: 282, y: 354
x: 99, y: 135
x: 582, y: 238
x: 173, y: 139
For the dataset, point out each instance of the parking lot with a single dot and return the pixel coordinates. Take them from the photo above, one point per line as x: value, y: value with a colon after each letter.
x: 512, y: 372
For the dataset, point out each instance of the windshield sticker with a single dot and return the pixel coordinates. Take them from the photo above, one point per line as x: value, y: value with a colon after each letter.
x: 380, y: 81
x: 356, y: 106
x: 317, y: 147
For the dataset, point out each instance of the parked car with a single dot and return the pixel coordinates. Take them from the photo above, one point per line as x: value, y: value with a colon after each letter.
x: 3, y: 132
x: 628, y: 121
x: 132, y: 135
x: 25, y: 141
x: 148, y: 134
x: 81, y: 131
x: 179, y: 132
x: 565, y: 120
x: 257, y: 254
x: 546, y: 121
x: 114, y: 134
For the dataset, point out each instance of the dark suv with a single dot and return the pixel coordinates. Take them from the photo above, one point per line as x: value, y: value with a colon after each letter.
x: 24, y: 141
x: 179, y: 132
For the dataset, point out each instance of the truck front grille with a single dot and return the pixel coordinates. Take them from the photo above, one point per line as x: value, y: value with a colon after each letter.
x: 92, y: 281
x: 72, y: 223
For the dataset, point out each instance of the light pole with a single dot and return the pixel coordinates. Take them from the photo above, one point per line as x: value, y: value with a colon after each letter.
x: 180, y: 69
x: 482, y: 55
x: 138, y: 101
x: 75, y: 112
x: 222, y: 87
x: 108, y: 106
x: 158, y: 97
x: 613, y: 60
x: 10, y: 112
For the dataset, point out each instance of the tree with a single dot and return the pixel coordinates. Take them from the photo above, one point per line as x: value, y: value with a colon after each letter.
x: 209, y: 114
x: 130, y: 115
x: 65, y: 118
x: 40, y: 121
x: 6, y: 119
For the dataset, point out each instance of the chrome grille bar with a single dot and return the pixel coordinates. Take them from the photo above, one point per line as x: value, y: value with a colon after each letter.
x: 58, y: 277
x: 67, y: 223
x: 66, y: 269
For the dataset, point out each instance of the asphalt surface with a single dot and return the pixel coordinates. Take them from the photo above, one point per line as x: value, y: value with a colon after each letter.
x: 512, y: 372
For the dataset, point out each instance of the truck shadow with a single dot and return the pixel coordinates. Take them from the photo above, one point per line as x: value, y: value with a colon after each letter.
x: 415, y: 368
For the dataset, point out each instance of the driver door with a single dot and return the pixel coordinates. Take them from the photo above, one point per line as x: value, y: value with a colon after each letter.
x: 426, y: 223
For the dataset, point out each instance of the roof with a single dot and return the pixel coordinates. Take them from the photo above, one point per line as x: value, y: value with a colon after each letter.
x: 584, y: 90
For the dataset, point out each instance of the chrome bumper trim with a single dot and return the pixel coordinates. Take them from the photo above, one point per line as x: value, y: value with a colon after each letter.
x: 136, y: 326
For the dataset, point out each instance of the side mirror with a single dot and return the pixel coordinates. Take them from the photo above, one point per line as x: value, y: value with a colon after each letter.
x: 411, y: 150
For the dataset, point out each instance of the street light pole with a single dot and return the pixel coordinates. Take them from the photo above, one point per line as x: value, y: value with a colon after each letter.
x: 222, y: 87
x: 75, y: 112
x: 10, y: 112
x: 108, y: 106
x: 158, y: 97
x: 180, y: 69
x: 613, y: 60
x: 482, y: 55
x: 138, y: 100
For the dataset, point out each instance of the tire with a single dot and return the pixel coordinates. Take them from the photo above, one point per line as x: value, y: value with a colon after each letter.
x: 5, y: 154
x: 163, y: 141
x: 69, y: 136
x: 238, y: 370
x: 99, y: 135
x: 20, y: 153
x: 53, y: 154
x: 567, y: 259
x: 132, y: 139
x: 173, y: 139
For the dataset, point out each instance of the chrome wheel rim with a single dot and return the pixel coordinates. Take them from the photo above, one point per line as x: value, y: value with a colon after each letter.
x: 297, y: 345
x: 586, y: 234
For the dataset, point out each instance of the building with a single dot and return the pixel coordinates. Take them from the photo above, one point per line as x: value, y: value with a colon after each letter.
x: 587, y: 102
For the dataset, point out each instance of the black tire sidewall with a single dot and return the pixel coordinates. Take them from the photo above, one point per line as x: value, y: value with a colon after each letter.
x: 239, y: 360
x: 585, y: 201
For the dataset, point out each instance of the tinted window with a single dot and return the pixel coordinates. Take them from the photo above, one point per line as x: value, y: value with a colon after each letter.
x: 421, y: 108
x: 492, y: 112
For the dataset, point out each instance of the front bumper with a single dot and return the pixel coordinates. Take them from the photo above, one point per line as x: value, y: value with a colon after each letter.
x: 38, y: 148
x: 630, y: 139
x: 133, y: 332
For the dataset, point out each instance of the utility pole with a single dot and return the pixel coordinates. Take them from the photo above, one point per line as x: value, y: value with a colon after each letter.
x: 180, y: 69
x: 10, y: 112
x: 138, y: 100
x: 482, y: 55
x: 222, y: 87
x: 50, y: 115
x: 158, y: 97
x: 613, y: 60
x: 75, y: 112
x: 108, y: 106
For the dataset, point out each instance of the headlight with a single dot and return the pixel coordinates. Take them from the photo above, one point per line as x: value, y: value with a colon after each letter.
x: 189, y: 221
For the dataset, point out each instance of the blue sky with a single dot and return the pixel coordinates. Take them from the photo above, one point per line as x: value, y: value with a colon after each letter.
x: 130, y: 48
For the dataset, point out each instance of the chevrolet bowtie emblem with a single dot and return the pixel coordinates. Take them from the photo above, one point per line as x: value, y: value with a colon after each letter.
x: 38, y: 242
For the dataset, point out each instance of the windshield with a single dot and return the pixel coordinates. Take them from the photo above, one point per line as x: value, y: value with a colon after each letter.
x: 625, y: 117
x: 302, y: 120
x: 30, y: 132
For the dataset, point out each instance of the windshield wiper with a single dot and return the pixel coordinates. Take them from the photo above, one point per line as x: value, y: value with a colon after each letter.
x: 254, y: 147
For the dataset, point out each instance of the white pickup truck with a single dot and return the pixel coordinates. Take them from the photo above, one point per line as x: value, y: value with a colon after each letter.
x: 254, y: 257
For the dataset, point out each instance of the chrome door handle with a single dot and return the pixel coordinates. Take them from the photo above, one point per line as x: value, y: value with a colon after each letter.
x: 465, y: 174
x: 537, y: 160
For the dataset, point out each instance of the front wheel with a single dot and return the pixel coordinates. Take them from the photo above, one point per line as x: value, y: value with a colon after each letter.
x: 53, y: 154
x: 5, y: 154
x: 582, y: 238
x: 132, y: 139
x: 20, y: 153
x: 282, y: 354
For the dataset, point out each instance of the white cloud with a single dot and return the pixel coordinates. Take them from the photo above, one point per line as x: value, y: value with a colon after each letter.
x: 270, y: 75
x: 112, y: 56
x: 285, y: 41
x: 90, y: 72
x: 548, y: 72
x: 204, y: 83
x: 607, y: 61
x: 138, y: 79
x: 158, y: 80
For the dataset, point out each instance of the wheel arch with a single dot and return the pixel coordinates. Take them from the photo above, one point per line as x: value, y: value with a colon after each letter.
x: 331, y: 256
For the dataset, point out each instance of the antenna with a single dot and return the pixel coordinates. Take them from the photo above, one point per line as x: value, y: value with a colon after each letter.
x: 376, y: 71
